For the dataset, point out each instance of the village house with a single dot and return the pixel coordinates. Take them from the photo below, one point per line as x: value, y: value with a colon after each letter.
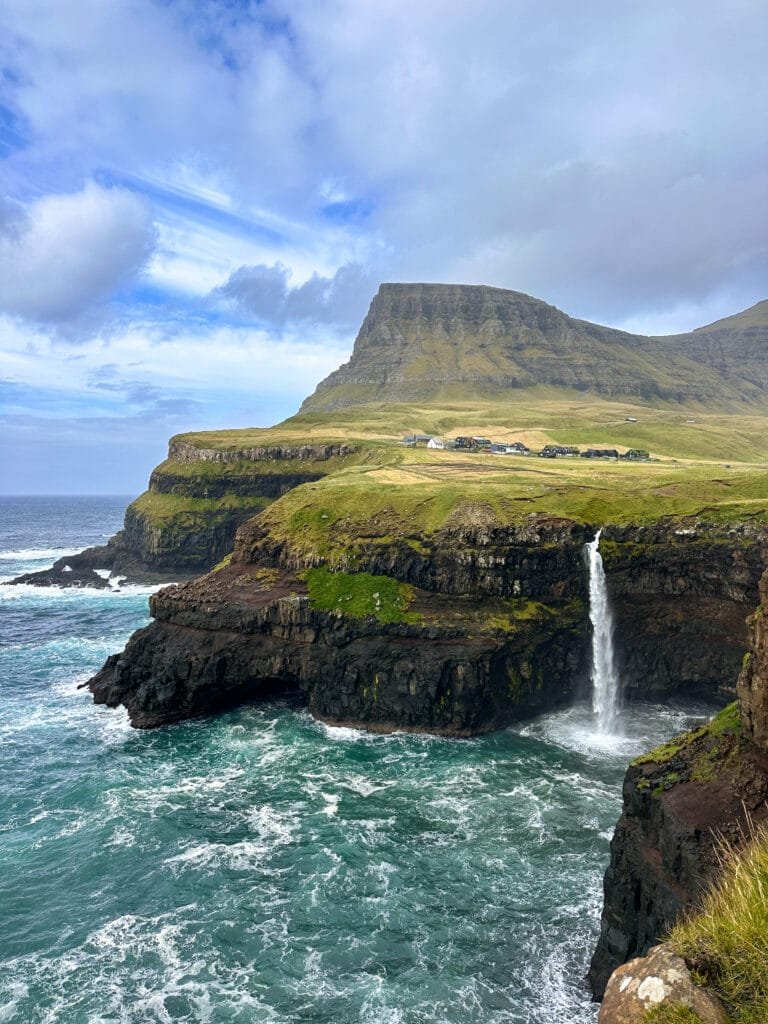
x: 553, y: 451
x: 435, y: 442
x: 600, y: 453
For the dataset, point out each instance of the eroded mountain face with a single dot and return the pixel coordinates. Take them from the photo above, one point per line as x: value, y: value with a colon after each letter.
x: 419, y: 341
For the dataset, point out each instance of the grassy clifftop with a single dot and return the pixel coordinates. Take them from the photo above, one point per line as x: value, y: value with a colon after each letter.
x: 450, y: 361
x: 537, y: 416
x: 726, y: 942
x: 707, y: 465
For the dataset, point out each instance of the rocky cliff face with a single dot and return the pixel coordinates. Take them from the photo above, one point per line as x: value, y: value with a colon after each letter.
x: 753, y: 681
x: 681, y: 592
x: 496, y: 627
x: 679, y: 801
x: 460, y: 660
x: 735, y: 345
x: 245, y: 633
x: 422, y: 340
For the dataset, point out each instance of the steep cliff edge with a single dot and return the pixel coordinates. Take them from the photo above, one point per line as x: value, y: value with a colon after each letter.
x: 186, y: 520
x: 678, y: 801
x: 431, y: 615
x: 366, y: 648
x: 473, y: 360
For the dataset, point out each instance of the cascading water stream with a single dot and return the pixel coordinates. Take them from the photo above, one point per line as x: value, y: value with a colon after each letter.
x: 605, y: 681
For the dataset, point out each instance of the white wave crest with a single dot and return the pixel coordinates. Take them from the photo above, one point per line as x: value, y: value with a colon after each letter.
x: 28, y: 591
x: 33, y: 554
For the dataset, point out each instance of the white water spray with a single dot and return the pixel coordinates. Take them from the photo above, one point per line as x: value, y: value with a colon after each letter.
x: 605, y: 682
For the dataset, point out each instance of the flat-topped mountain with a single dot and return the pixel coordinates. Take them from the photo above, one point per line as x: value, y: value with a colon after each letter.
x: 423, y: 342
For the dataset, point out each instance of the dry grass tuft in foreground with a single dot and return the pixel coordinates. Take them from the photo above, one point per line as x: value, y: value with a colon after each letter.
x: 726, y: 942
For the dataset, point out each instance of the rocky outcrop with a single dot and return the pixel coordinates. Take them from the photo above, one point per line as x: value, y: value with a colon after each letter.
x: 182, y: 451
x: 497, y: 624
x: 753, y: 681
x: 681, y: 591
x: 647, y: 982
x: 248, y: 631
x: 680, y: 802
x: 419, y: 341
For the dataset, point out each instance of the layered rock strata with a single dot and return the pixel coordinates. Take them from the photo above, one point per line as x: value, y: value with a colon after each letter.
x: 420, y: 341
x: 224, y: 641
x: 461, y: 660
x: 681, y: 591
x: 496, y: 627
x: 186, y: 520
x: 680, y: 802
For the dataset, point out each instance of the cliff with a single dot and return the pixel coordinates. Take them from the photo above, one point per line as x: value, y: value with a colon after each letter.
x: 186, y: 520
x: 680, y: 801
x: 456, y: 359
x: 424, y: 342
x: 457, y: 625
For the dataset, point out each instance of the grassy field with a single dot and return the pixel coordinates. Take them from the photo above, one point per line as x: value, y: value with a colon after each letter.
x: 709, y: 464
x: 417, y: 493
x: 538, y: 416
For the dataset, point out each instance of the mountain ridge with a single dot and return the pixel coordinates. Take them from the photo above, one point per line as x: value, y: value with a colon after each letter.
x: 419, y: 339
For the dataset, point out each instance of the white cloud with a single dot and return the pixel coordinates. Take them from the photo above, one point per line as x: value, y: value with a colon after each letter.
x: 235, y: 364
x: 608, y: 158
x: 65, y: 252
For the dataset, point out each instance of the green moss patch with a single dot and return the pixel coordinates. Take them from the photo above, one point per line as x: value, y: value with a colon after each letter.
x: 725, y: 723
x: 360, y: 595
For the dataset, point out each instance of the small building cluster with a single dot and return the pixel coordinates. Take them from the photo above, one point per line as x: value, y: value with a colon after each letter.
x: 554, y: 451
x: 549, y: 451
x: 600, y: 453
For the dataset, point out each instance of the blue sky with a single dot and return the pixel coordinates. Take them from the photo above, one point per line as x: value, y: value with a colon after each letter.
x: 200, y: 197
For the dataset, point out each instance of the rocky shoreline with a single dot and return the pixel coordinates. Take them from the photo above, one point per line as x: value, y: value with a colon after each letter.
x: 187, y: 519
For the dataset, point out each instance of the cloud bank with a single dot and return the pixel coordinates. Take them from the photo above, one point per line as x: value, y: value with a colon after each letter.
x: 266, y: 292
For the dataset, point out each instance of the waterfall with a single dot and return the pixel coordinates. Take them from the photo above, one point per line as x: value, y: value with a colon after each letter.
x: 605, y: 682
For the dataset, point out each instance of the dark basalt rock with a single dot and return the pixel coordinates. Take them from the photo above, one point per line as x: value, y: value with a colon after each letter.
x: 664, y: 849
x: 63, y: 573
x: 240, y: 632
x: 80, y: 569
x: 228, y: 638
x: 680, y: 593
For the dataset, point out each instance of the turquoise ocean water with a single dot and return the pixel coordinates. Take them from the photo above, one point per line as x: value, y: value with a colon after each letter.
x: 260, y: 866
